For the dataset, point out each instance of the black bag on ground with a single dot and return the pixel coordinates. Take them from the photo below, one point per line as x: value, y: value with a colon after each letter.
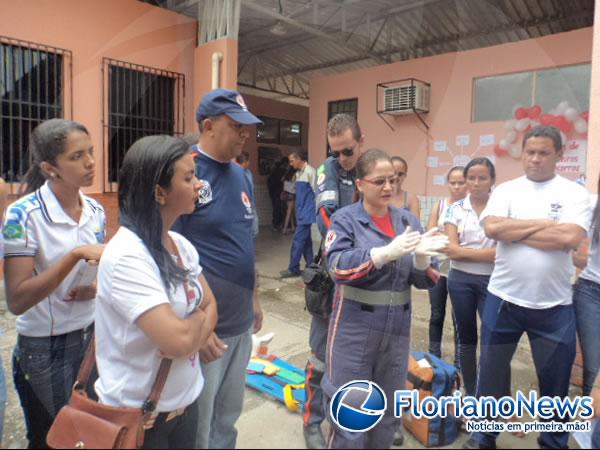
x: 318, y: 287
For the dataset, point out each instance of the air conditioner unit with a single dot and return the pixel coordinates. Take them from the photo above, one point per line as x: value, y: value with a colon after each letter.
x: 406, y: 98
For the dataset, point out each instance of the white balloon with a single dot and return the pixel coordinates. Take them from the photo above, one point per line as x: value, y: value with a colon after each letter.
x: 563, y: 138
x: 562, y: 108
x: 572, y: 114
x: 581, y: 125
x: 509, y: 125
x: 503, y: 144
x: 511, y: 136
x: 521, y: 124
x: 515, y: 151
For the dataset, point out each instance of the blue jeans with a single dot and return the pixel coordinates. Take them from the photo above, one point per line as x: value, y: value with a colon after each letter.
x: 586, y: 299
x: 301, y: 245
x: 222, y: 397
x: 438, y: 296
x: 44, y: 370
x: 2, y: 398
x: 467, y: 293
x: 551, y: 334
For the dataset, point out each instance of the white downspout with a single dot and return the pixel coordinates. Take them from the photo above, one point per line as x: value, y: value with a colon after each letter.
x: 217, y: 57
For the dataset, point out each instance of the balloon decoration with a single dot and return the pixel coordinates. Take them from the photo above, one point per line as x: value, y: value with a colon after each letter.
x: 564, y: 117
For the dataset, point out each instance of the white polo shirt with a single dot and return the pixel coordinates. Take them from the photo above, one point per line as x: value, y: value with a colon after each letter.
x: 129, y: 284
x: 592, y: 270
x: 36, y: 225
x: 526, y: 276
x: 470, y: 235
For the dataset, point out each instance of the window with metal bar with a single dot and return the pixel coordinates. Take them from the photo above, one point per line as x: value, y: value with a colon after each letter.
x: 347, y: 106
x: 141, y: 101
x: 33, y: 78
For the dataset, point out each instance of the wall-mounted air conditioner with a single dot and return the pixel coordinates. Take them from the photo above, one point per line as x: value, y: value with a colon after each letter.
x: 406, y: 98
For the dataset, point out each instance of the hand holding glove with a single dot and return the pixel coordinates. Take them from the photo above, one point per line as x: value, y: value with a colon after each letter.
x: 401, y: 245
x: 430, y: 245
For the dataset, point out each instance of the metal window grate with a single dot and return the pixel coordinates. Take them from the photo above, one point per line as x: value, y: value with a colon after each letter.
x: 34, y: 86
x: 348, y: 106
x: 140, y: 101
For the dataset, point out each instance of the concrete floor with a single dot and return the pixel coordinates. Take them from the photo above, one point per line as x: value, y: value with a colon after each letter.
x: 266, y: 423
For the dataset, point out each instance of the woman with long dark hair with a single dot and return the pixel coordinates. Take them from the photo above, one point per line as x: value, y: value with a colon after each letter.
x: 369, y: 254
x: 153, y: 300
x: 52, y: 237
x: 586, y: 298
x: 403, y: 199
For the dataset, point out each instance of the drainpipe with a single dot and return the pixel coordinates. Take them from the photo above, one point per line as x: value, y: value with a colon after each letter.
x: 217, y: 57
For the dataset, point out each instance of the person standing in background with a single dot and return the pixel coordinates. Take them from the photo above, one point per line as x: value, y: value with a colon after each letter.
x: 306, y: 178
x: 3, y: 204
x: 403, y: 199
x: 438, y: 295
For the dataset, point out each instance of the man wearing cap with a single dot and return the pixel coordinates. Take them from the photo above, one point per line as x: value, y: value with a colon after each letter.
x: 221, y: 230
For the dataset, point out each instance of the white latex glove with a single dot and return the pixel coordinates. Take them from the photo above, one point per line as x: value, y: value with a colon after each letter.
x: 400, y: 246
x: 430, y: 245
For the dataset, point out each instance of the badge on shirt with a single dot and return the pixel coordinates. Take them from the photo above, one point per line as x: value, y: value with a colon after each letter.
x: 205, y: 193
x: 329, y: 240
x: 12, y: 231
x: 321, y: 179
x: 555, y: 211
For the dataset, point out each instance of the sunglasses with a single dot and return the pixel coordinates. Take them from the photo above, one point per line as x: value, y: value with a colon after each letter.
x: 346, y: 152
x: 380, y: 182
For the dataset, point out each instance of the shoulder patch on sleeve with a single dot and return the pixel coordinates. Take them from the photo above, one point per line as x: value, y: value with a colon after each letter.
x: 329, y: 239
x: 321, y: 169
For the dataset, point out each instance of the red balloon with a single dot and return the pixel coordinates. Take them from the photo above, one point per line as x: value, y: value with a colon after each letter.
x: 521, y: 113
x: 564, y: 124
x: 535, y: 111
x: 546, y: 119
x: 585, y: 115
x: 499, y: 151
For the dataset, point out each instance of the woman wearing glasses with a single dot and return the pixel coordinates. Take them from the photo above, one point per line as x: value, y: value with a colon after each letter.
x: 403, y: 199
x: 369, y: 248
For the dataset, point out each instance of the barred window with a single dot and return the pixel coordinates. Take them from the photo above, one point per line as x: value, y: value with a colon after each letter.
x: 142, y: 101
x: 348, y: 106
x: 35, y: 85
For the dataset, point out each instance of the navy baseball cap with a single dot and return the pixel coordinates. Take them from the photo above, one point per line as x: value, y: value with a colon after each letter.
x: 224, y: 101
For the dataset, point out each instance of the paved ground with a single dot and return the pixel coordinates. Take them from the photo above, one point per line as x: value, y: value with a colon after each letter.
x: 266, y: 423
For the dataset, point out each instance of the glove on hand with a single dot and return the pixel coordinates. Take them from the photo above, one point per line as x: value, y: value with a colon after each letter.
x: 430, y: 245
x: 400, y: 246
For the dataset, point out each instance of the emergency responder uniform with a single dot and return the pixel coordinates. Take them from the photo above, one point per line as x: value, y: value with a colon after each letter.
x: 369, y: 330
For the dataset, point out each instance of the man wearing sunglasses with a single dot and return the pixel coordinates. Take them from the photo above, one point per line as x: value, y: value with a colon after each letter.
x: 335, y: 189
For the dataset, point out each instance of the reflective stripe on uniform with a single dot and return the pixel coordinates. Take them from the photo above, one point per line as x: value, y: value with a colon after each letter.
x: 327, y: 196
x: 377, y: 297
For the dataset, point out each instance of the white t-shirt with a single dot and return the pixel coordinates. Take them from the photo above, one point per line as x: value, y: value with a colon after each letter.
x: 592, y: 270
x: 526, y: 276
x: 470, y: 235
x: 129, y: 284
x: 36, y: 225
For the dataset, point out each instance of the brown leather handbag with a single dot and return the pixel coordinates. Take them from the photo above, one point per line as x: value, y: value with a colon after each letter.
x: 85, y: 423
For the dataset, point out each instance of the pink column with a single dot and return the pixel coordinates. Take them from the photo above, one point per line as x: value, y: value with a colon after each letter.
x: 593, y: 156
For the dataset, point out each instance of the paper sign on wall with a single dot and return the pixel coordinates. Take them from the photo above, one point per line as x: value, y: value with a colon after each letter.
x: 432, y: 161
x: 487, y: 139
x: 463, y: 140
x: 440, y: 146
x: 439, y: 180
x: 574, y: 158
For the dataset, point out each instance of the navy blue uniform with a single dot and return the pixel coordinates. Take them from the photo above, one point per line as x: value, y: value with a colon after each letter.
x: 335, y: 189
x: 369, y: 330
x: 221, y: 230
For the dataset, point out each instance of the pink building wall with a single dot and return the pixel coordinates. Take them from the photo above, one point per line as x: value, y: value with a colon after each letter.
x: 202, y: 81
x: 126, y: 30
x: 451, y: 77
x: 593, y: 163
